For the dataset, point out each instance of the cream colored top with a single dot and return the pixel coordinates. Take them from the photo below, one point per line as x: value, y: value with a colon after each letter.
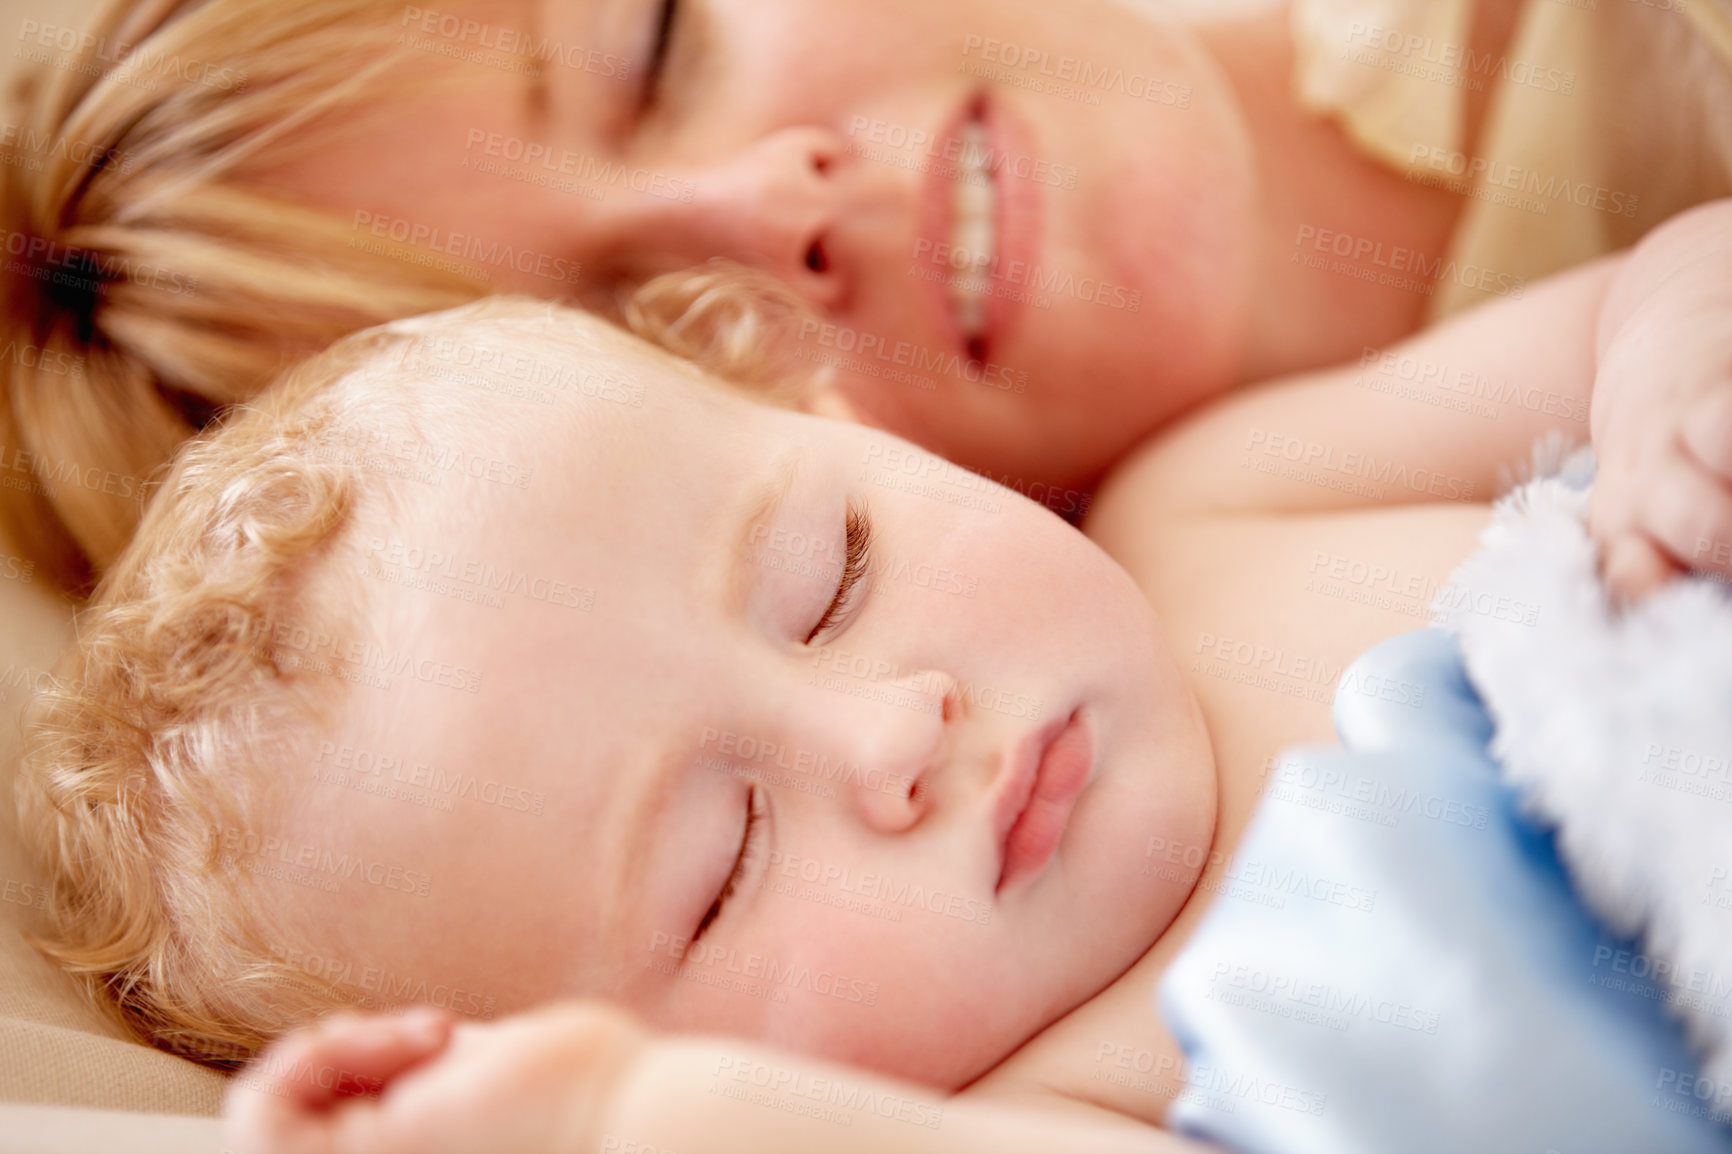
x: 1604, y: 117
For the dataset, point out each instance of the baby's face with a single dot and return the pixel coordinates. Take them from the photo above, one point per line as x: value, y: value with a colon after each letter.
x: 784, y: 729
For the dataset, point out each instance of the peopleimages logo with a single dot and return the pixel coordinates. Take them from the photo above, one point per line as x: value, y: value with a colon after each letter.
x: 1069, y: 76
x: 425, y: 26
x: 742, y: 749
x: 29, y: 148
x: 917, y: 358
x: 586, y: 169
x: 1455, y: 64
x: 463, y: 246
x: 923, y: 682
x: 322, y: 864
x: 1395, y: 265
x: 379, y: 988
x: 293, y: 645
x: 878, y: 887
x: 919, y: 149
x: 92, y: 55
x: 991, y: 273
x: 370, y: 772
x: 789, y: 1089
x: 771, y: 972
x: 85, y: 270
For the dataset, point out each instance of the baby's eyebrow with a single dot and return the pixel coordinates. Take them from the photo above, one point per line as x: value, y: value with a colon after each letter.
x: 761, y: 509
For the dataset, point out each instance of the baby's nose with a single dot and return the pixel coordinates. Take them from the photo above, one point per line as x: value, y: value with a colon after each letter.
x: 905, y: 750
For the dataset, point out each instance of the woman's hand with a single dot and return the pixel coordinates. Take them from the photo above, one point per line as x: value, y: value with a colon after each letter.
x: 423, y: 1083
x: 1662, y: 409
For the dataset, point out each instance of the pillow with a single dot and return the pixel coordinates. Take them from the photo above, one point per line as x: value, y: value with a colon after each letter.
x: 55, y: 1047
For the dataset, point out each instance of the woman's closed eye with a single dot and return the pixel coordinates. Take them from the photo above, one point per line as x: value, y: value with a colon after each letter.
x: 751, y: 839
x: 856, y: 565
x: 667, y: 19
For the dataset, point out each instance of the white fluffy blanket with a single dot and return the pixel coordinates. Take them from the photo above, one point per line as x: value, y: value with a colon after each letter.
x: 1617, y: 727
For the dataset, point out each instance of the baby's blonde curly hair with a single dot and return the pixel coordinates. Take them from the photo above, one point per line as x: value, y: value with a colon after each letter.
x: 180, y: 713
x: 162, y: 725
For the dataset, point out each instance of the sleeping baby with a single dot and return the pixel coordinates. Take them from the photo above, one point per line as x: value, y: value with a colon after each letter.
x: 496, y: 659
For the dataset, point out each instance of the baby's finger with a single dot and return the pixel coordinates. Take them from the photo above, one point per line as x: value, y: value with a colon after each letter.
x: 1688, y: 513
x: 1634, y: 567
x: 348, y: 1056
x: 1708, y: 432
x: 263, y: 1108
x: 272, y: 1105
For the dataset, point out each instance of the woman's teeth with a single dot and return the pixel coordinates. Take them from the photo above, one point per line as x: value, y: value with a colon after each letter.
x: 973, y: 232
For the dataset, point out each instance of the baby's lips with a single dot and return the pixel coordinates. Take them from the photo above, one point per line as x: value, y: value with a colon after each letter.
x: 1062, y: 773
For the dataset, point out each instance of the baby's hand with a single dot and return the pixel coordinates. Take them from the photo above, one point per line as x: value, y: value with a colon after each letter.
x: 421, y: 1083
x: 1662, y: 425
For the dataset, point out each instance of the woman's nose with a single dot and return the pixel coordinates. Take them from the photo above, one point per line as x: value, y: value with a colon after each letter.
x: 773, y: 205
x: 902, y: 747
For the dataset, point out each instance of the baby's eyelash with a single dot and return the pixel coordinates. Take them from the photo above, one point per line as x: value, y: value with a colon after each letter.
x: 855, y: 565
x: 756, y: 810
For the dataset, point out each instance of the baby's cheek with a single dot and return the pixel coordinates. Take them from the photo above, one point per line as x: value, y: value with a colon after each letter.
x: 840, y: 963
x: 877, y: 979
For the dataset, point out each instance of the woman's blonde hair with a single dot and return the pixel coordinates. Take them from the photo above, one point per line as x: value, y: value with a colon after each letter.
x: 146, y: 286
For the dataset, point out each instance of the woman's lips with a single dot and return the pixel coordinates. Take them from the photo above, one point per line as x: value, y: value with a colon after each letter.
x: 1051, y: 768
x: 973, y: 282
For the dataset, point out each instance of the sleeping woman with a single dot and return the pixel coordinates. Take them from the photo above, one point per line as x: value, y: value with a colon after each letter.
x: 692, y: 602
x: 1024, y: 235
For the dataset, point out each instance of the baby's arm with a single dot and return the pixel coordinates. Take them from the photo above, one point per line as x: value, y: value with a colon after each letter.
x: 709, y: 1095
x: 584, y: 1078
x: 1442, y: 416
x: 1642, y: 341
